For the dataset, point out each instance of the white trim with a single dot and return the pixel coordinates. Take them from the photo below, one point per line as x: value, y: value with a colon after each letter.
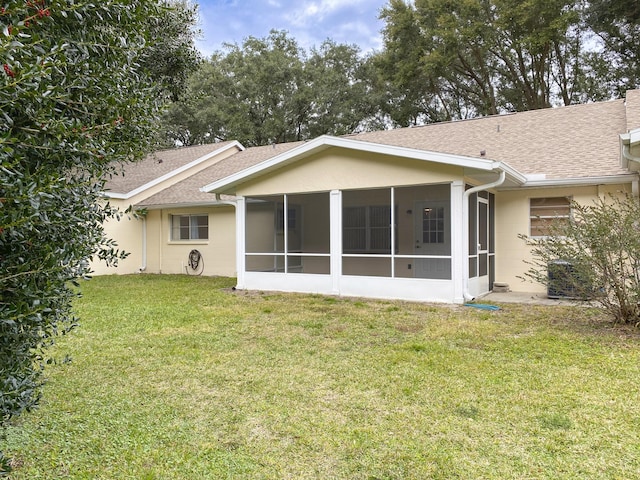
x: 458, y: 258
x: 217, y: 203
x: 580, y: 181
x: 241, y: 216
x: 335, y: 233
x: 327, y: 141
x: 172, y: 173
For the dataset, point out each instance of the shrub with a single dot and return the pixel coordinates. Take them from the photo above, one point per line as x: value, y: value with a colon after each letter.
x: 601, y: 244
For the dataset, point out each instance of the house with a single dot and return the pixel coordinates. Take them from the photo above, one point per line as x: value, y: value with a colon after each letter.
x: 429, y: 213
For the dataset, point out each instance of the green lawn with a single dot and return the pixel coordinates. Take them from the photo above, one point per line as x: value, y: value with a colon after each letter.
x: 177, y: 377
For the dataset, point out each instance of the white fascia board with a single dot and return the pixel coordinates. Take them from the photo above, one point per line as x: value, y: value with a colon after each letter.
x: 327, y: 141
x: 177, y: 171
x: 512, y: 174
x: 214, y: 203
x: 581, y: 181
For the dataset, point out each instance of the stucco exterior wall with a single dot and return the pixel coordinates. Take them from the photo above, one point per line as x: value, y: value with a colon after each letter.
x: 128, y: 234
x: 342, y: 169
x: 166, y: 256
x: 218, y: 252
x: 512, y: 219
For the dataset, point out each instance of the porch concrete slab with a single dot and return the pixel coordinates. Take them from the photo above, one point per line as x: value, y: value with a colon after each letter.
x: 526, y: 298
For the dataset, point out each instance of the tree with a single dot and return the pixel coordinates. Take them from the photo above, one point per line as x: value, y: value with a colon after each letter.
x: 594, y: 256
x: 171, y: 56
x: 617, y: 23
x: 271, y: 91
x: 340, y: 89
x: 459, y: 59
x: 79, y: 95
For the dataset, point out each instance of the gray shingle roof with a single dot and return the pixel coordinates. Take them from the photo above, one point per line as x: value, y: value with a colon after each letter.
x: 188, y: 190
x: 562, y: 143
x: 156, y: 165
x: 566, y: 142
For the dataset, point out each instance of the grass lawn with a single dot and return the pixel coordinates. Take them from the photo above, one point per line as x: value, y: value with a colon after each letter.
x: 177, y: 377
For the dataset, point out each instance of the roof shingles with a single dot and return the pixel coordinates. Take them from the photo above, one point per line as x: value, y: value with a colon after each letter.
x: 156, y: 165
x: 561, y: 143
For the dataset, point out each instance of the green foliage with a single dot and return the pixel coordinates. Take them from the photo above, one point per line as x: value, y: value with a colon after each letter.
x: 76, y: 100
x: 602, y: 245
x: 270, y: 91
x: 446, y: 59
x: 617, y: 23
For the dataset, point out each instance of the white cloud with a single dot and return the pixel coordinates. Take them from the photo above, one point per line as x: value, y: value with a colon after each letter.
x: 310, y: 22
x: 315, y: 11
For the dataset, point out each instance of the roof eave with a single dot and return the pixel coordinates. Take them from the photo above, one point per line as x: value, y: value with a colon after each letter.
x: 160, y: 206
x: 172, y: 173
x: 225, y: 185
x: 579, y: 181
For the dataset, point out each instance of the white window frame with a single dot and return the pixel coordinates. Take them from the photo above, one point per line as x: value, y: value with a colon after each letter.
x: 193, y: 229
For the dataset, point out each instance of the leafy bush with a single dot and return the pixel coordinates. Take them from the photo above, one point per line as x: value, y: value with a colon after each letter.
x: 80, y: 93
x: 601, y: 246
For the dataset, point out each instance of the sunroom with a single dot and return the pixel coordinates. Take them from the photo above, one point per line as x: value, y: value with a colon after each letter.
x: 427, y: 240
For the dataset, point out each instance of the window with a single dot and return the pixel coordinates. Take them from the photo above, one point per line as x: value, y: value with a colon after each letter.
x: 367, y: 229
x: 433, y: 225
x: 292, y: 217
x: 189, y: 227
x: 543, y: 211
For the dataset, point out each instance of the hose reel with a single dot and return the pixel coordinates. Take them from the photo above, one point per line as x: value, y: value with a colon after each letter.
x: 195, y: 263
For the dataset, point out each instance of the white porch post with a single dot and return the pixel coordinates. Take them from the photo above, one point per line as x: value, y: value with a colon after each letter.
x: 459, y: 260
x: 335, y: 249
x: 240, y: 241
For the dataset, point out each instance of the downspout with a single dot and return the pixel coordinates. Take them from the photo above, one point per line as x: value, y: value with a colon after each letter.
x: 143, y: 267
x: 226, y: 202
x: 626, y: 153
x: 239, y: 264
x: 465, y: 229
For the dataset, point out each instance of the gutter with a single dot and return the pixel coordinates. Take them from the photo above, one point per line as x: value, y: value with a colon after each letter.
x: 465, y: 228
x: 626, y: 153
x: 626, y: 140
x: 233, y: 203
x: 143, y: 267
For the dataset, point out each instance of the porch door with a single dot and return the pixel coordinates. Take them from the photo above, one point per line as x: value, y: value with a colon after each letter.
x: 432, y: 232
x: 482, y: 245
x: 484, y: 231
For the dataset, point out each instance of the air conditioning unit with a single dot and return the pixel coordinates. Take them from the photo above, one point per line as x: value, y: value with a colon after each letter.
x: 562, y: 280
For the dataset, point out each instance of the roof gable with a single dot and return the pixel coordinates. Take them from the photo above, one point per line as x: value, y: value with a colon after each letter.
x: 227, y: 184
x: 161, y: 166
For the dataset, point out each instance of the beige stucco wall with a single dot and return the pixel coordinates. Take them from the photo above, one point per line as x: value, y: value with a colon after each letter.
x: 512, y: 219
x: 218, y: 252
x: 166, y: 256
x: 128, y: 233
x: 336, y: 168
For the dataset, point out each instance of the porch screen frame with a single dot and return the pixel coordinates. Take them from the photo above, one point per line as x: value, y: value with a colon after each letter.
x: 285, y: 258
x: 394, y: 255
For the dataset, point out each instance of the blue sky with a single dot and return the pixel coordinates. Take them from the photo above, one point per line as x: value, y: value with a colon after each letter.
x: 310, y: 22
